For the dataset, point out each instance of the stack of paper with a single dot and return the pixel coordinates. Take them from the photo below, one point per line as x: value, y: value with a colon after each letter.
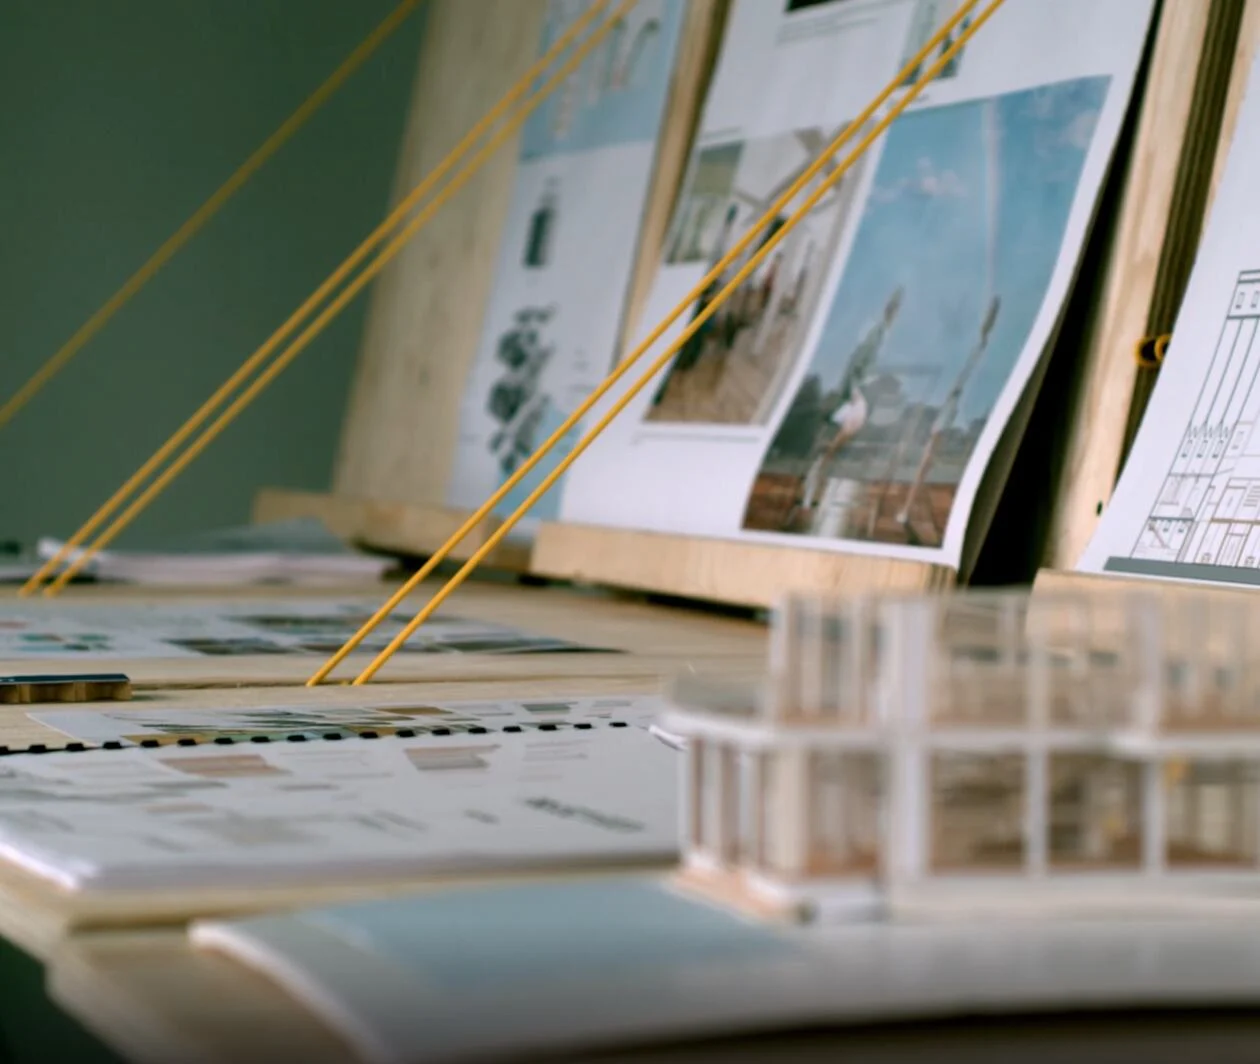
x: 292, y: 552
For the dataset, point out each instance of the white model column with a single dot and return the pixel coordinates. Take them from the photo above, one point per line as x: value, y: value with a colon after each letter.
x: 906, y: 670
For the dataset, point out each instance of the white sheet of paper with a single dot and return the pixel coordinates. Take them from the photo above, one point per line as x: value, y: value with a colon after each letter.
x: 1187, y: 506
x: 850, y: 394
x: 555, y: 313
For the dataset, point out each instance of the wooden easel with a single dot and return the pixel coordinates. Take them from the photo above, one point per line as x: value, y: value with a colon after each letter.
x: 425, y: 319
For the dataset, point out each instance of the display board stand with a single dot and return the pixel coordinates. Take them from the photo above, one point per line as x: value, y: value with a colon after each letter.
x: 425, y: 319
x: 718, y: 570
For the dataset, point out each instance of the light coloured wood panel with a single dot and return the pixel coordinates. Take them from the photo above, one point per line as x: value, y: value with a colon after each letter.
x: 718, y: 570
x: 1097, y: 423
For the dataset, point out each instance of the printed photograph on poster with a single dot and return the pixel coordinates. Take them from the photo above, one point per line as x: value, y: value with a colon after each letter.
x: 947, y: 273
x: 734, y: 368
x: 928, y: 17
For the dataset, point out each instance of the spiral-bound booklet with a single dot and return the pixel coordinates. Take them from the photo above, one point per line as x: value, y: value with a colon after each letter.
x: 277, y: 798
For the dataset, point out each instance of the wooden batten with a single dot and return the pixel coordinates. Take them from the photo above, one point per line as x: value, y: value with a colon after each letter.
x: 718, y: 570
x: 427, y: 309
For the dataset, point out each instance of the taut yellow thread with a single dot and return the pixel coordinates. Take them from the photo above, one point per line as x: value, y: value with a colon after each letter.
x: 204, y: 213
x: 364, y: 249
x: 701, y: 318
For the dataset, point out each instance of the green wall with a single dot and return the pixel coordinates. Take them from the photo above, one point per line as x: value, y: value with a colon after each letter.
x: 117, y: 119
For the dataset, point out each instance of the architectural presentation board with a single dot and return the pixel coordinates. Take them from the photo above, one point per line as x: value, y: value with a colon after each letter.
x: 1187, y: 506
x: 489, y: 631
x: 1200, y: 57
x: 849, y: 397
x: 541, y: 230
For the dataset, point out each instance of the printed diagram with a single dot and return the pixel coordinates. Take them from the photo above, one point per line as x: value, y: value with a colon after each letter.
x: 516, y: 401
x: 1208, y: 512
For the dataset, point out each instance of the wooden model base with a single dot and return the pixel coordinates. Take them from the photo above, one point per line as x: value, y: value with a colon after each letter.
x: 719, y: 570
x: 394, y: 528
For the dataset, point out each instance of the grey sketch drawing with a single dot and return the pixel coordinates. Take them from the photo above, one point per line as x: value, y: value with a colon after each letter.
x: 1205, y: 522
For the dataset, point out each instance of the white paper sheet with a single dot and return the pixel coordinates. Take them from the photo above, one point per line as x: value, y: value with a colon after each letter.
x: 187, y: 630
x: 1187, y: 506
x: 894, y: 330
x: 569, y: 245
x: 276, y: 814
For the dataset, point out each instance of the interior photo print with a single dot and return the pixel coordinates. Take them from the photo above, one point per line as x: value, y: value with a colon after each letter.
x: 734, y: 368
x: 946, y: 276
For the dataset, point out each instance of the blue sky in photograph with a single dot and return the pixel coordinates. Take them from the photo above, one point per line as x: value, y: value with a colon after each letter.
x: 925, y: 227
x: 624, y: 116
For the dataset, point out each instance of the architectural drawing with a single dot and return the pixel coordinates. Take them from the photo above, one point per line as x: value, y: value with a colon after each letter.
x: 1205, y: 522
x: 982, y: 752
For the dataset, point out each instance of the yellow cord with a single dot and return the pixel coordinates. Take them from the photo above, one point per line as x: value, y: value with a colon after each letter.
x: 660, y: 362
x: 204, y: 213
x: 258, y: 357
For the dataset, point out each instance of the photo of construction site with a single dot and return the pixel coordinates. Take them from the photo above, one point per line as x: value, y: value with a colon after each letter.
x: 736, y: 366
x: 948, y: 272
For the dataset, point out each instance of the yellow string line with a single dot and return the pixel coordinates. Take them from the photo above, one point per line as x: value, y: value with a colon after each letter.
x: 204, y: 213
x: 510, y: 99
x: 628, y: 362
x: 659, y: 363
x: 344, y: 297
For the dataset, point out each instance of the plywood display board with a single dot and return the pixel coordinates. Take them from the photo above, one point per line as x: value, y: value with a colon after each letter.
x: 392, y: 486
x: 266, y: 636
x: 871, y: 457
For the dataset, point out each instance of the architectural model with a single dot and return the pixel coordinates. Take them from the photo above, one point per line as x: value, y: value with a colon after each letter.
x: 982, y: 751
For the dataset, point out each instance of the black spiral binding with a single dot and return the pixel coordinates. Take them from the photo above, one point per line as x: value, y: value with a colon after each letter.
x: 302, y: 737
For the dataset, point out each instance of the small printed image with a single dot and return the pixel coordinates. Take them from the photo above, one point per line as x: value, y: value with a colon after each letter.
x: 231, y: 647
x: 449, y: 758
x: 517, y: 402
x: 298, y: 625
x: 735, y: 366
x: 225, y: 766
x: 929, y: 16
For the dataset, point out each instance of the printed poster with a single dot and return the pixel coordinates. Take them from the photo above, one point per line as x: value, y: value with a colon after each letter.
x: 556, y: 309
x: 1187, y: 506
x: 850, y: 393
